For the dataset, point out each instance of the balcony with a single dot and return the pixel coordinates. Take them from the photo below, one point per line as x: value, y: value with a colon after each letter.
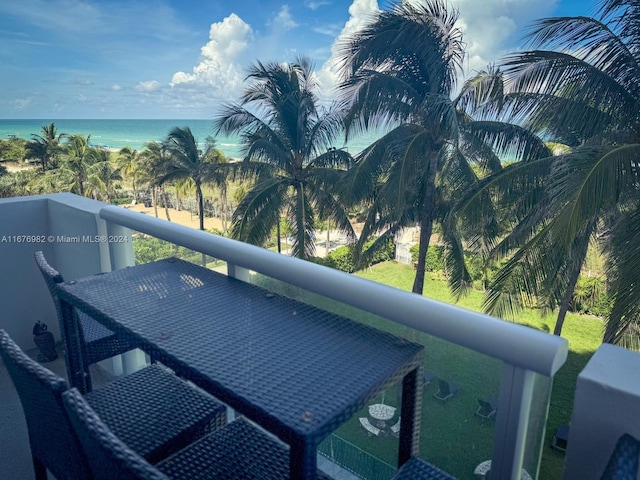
x: 487, y: 356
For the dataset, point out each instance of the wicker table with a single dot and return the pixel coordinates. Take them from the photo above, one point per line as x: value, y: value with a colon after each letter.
x: 296, y: 370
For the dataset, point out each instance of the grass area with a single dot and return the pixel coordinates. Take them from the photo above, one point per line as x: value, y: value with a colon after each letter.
x: 452, y: 437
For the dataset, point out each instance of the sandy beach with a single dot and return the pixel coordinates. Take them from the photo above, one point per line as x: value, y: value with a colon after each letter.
x: 182, y: 217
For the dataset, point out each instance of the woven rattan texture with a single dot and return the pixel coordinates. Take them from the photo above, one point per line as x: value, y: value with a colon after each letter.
x: 239, y: 451
x: 623, y: 464
x: 50, y: 435
x: 155, y: 413
x: 99, y: 342
x: 418, y: 469
x: 293, y: 367
x: 108, y: 457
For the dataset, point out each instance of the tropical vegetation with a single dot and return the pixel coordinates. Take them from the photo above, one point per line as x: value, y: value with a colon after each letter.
x: 579, y: 86
x: 522, y: 173
x: 400, y: 74
x: 288, y: 153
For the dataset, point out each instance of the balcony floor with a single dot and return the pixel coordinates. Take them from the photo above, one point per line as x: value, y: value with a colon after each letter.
x: 15, y: 457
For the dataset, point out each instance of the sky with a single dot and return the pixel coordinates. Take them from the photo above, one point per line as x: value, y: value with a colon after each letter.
x: 182, y: 59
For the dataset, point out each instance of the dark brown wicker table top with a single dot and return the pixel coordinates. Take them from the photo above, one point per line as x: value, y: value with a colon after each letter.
x: 297, y: 370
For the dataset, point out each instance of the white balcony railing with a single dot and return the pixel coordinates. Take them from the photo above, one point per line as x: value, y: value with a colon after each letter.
x: 528, y: 355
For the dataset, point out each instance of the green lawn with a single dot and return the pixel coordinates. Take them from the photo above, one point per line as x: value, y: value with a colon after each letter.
x: 452, y: 437
x: 480, y: 375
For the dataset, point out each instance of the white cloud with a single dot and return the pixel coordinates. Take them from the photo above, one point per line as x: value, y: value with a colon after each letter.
x: 361, y: 13
x: 22, y: 103
x: 491, y: 27
x: 330, y: 29
x: 219, y: 69
x: 83, y: 81
x: 148, y: 86
x: 283, y: 20
x: 116, y: 88
x: 315, y: 5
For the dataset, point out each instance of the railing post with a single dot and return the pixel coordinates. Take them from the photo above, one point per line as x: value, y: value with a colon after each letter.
x: 238, y: 272
x: 512, y: 422
x: 120, y: 246
x: 121, y: 255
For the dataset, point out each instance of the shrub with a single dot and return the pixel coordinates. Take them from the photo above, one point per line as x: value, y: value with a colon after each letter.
x: 590, y: 296
x: 149, y: 249
x: 435, y: 257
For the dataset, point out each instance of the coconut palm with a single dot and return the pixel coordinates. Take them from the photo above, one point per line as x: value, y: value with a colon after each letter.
x: 287, y: 147
x: 103, y: 176
x: 77, y: 158
x: 45, y: 146
x: 130, y: 165
x: 580, y: 86
x: 151, y: 159
x: 185, y: 161
x: 399, y: 75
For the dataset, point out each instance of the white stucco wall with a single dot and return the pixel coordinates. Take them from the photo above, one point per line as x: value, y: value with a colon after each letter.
x: 606, y: 406
x: 24, y: 298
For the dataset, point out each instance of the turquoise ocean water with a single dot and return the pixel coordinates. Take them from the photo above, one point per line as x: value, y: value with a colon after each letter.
x: 135, y: 133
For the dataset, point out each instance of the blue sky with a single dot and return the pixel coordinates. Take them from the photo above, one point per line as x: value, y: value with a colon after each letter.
x: 180, y: 59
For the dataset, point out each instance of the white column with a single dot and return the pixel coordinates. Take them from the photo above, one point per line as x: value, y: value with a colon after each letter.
x: 606, y: 406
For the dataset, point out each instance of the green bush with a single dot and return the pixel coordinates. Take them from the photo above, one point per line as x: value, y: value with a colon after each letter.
x: 384, y: 253
x: 149, y: 249
x: 122, y: 201
x: 342, y: 258
x: 435, y: 257
x: 590, y: 296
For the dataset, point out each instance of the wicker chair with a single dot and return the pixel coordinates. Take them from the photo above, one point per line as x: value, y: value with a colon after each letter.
x: 98, y: 342
x: 623, y: 463
x: 152, y: 410
x: 239, y: 450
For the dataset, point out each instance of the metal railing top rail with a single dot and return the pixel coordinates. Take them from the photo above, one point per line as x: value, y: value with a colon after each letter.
x: 514, y: 344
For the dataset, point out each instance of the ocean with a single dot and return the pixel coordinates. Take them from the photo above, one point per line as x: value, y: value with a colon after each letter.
x: 116, y: 134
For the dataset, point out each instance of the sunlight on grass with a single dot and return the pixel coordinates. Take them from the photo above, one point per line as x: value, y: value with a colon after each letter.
x: 445, y: 424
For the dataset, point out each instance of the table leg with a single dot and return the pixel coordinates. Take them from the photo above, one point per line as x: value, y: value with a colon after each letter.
x: 75, y: 365
x: 411, y: 414
x: 303, y: 460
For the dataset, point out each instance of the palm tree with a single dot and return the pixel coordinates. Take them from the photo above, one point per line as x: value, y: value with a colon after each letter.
x: 187, y: 162
x: 45, y: 146
x: 152, y: 158
x: 580, y: 86
x: 102, y: 176
x: 78, y: 156
x: 129, y: 164
x: 287, y: 142
x: 399, y: 75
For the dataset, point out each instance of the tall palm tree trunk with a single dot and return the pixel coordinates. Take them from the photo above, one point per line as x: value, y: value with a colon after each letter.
x: 165, y: 199
x: 301, y: 220
x: 200, y: 204
x: 426, y: 224
x: 579, y: 255
x: 278, y: 234
x: 566, y: 300
x: 154, y: 199
x: 223, y: 208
